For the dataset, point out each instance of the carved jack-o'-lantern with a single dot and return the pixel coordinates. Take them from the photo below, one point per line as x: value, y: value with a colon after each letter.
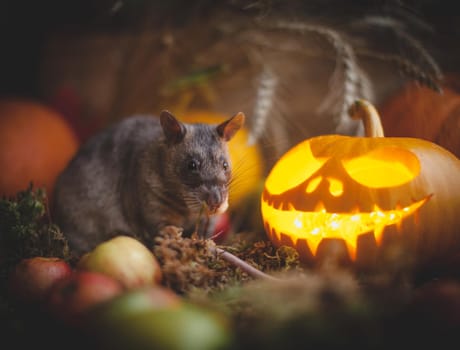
x: 362, y: 190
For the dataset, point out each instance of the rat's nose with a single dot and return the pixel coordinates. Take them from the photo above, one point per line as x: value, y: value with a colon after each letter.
x: 213, y: 199
x: 216, y: 201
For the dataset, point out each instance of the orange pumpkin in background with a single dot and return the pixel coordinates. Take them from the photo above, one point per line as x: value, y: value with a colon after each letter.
x: 418, y: 111
x: 36, y: 144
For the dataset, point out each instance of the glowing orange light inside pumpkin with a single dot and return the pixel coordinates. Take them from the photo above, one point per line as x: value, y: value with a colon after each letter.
x: 315, y: 226
x: 341, y: 187
x: 389, y: 166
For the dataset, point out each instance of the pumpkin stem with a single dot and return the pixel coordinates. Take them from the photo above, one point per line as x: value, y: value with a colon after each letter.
x: 365, y: 111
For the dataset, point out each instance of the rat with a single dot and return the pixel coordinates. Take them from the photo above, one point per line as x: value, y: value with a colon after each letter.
x: 142, y: 174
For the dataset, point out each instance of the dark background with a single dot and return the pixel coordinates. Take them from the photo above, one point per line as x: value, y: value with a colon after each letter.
x: 25, y: 26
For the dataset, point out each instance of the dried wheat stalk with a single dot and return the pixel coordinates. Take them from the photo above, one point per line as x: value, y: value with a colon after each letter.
x: 266, y: 90
x: 349, y: 81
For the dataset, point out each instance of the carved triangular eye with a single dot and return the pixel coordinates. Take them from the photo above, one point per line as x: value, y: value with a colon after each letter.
x: 383, y: 167
x: 293, y: 168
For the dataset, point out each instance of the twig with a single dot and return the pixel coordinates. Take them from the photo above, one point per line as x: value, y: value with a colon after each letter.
x: 252, y: 271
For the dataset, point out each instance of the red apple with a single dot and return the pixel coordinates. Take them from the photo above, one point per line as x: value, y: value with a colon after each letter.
x: 71, y: 297
x: 125, y: 259
x: 31, y: 279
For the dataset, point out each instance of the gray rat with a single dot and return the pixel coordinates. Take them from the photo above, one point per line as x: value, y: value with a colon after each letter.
x: 142, y: 174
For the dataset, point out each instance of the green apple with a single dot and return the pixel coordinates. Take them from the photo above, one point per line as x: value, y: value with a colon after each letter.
x: 153, y: 320
x: 125, y: 259
x: 134, y: 301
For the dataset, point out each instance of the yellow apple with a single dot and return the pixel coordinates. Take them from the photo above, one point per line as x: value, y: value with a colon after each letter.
x: 125, y: 259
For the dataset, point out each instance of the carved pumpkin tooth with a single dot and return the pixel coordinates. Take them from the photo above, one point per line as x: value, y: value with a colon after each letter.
x: 378, y: 234
x: 351, y: 249
x: 267, y: 226
x: 319, y: 207
x: 284, y: 206
x: 313, y: 245
x: 275, y: 235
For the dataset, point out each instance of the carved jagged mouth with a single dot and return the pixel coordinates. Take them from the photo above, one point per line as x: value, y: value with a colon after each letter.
x: 315, y: 226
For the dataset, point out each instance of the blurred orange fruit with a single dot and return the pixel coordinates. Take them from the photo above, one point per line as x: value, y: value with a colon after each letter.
x: 420, y: 112
x: 36, y: 143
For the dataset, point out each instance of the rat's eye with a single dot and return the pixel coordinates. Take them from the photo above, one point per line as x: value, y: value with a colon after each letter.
x: 193, y: 165
x: 225, y: 165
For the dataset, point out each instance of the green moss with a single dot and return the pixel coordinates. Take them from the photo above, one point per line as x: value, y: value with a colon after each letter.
x: 26, y: 229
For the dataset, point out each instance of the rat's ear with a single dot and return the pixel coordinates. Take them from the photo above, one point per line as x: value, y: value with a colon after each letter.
x: 173, y: 129
x: 228, y: 128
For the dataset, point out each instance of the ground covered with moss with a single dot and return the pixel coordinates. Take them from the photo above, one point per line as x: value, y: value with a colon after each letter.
x: 286, y: 305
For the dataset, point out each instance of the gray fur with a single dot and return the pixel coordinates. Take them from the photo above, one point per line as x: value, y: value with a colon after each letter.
x: 134, y: 179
